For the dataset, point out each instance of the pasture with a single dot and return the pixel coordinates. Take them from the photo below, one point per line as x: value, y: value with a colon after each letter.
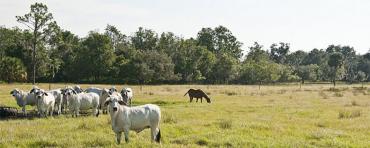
x: 239, y: 116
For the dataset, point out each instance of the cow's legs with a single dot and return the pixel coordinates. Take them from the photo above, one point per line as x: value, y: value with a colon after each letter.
x: 96, y: 112
x: 118, y: 137
x: 126, y: 132
x: 24, y: 110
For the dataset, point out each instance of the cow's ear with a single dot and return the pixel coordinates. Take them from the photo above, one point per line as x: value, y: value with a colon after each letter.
x: 32, y: 90
x: 46, y: 94
x: 73, y: 91
x: 121, y: 102
x: 107, y: 102
x: 12, y: 92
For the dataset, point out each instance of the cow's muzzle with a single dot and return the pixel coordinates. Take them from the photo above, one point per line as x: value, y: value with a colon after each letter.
x: 114, y: 108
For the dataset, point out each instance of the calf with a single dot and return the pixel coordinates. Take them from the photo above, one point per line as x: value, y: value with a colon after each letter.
x: 124, y: 118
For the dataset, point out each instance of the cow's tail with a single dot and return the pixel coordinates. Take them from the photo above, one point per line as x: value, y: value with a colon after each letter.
x: 158, y: 136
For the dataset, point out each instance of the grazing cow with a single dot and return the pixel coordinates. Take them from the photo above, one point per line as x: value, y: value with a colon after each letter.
x: 199, y: 94
x: 82, y: 101
x: 45, y: 103
x: 124, y: 118
x: 23, y: 99
x: 127, y: 95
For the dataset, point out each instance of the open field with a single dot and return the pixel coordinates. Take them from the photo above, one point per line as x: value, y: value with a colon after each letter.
x: 239, y: 116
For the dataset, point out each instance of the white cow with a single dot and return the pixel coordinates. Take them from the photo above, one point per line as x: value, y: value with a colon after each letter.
x: 82, y: 101
x: 45, y: 103
x: 104, y: 95
x: 94, y: 90
x: 78, y: 89
x: 23, y: 99
x: 57, y: 93
x: 112, y: 89
x: 124, y: 118
x: 127, y: 95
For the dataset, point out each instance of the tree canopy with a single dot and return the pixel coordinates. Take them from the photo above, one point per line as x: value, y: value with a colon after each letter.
x: 45, y: 52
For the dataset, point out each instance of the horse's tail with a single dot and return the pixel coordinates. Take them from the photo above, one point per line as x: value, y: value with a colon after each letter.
x: 186, y: 93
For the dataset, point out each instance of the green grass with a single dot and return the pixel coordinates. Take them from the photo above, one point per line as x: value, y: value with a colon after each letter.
x: 239, y: 116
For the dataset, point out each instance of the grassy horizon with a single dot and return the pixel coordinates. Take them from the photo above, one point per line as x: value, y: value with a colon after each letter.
x: 239, y: 116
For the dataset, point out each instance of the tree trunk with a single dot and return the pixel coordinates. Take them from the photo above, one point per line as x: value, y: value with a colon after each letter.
x: 34, y: 52
x: 334, y: 82
x: 259, y: 85
x: 34, y: 60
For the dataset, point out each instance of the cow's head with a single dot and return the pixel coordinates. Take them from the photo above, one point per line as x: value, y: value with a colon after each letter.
x: 114, y: 103
x: 78, y: 89
x: 40, y: 94
x: 69, y: 92
x: 15, y: 92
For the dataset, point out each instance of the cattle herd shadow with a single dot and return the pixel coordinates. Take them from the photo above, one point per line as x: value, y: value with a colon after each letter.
x: 12, y: 113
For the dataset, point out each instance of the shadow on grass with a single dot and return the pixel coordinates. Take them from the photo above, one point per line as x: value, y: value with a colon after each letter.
x: 158, y: 102
x: 43, y: 143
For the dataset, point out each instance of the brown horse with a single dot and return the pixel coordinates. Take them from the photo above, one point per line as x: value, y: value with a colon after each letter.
x: 199, y: 94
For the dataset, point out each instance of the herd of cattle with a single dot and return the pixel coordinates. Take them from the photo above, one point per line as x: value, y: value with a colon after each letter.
x: 123, y: 117
x: 118, y: 104
x: 72, y: 98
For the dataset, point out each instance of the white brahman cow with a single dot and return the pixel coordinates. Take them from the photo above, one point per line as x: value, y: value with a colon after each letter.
x: 124, y: 118
x: 127, y: 95
x: 82, y: 101
x: 57, y: 93
x: 23, y: 99
x: 45, y: 103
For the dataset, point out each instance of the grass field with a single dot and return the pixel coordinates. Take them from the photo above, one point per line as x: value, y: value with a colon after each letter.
x: 239, y: 116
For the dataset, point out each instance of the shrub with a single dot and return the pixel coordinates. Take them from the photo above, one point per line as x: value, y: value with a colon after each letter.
x: 354, y: 103
x: 202, y: 142
x: 349, y: 114
x: 12, y: 69
x: 225, y: 124
x: 170, y: 119
x: 338, y: 94
x: 323, y: 95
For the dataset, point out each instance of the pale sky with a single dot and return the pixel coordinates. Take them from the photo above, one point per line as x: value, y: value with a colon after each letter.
x: 305, y: 24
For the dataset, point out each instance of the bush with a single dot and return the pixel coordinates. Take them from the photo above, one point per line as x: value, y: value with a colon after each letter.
x: 225, y: 124
x: 349, y: 114
x: 12, y: 70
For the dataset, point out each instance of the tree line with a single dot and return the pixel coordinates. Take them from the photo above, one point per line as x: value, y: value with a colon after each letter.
x: 44, y: 52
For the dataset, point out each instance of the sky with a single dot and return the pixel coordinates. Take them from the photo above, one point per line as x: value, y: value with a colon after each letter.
x: 305, y: 24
